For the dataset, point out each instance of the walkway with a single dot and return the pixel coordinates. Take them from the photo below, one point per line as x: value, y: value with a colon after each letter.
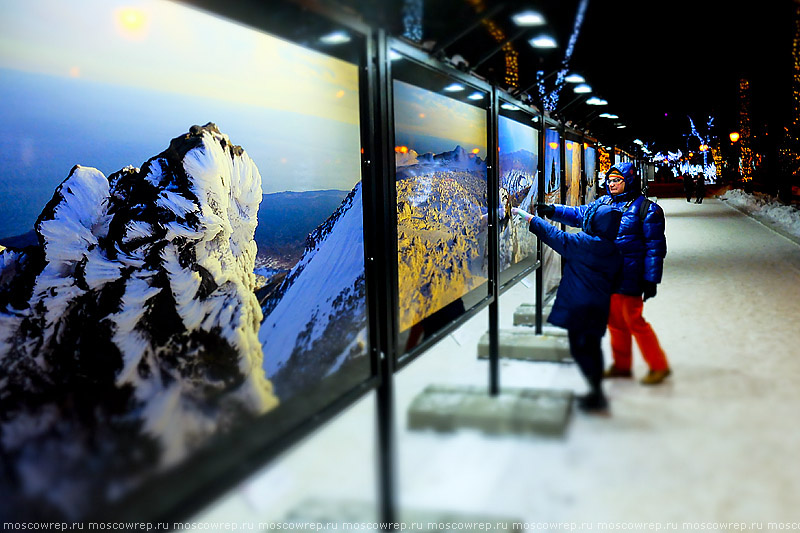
x: 718, y: 442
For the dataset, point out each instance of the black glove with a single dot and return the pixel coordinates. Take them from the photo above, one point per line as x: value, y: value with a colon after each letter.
x: 649, y: 289
x: 545, y: 210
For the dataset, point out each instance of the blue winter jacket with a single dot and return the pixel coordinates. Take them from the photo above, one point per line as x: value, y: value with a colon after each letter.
x: 641, y: 242
x: 592, y: 265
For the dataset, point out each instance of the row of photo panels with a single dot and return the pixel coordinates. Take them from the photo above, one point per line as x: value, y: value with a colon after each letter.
x: 182, y: 223
x: 183, y: 271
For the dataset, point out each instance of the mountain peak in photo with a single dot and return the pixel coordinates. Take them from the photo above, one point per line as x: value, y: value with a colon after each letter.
x: 129, y: 333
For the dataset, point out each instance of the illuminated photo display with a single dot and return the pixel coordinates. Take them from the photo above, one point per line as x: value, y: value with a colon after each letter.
x: 181, y: 235
x: 518, y: 163
x: 551, y: 261
x: 603, y: 165
x: 590, y: 162
x: 441, y: 202
x: 572, y: 166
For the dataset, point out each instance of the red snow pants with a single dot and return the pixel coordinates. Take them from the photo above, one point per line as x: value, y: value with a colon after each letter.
x: 625, y: 321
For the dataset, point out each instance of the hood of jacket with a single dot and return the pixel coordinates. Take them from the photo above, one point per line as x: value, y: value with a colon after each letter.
x: 601, y: 220
x: 632, y: 185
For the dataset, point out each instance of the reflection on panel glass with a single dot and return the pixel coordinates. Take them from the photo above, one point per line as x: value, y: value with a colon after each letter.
x: 441, y: 201
x: 590, y: 163
x: 146, y: 308
x: 519, y: 187
x: 572, y: 165
x: 551, y: 261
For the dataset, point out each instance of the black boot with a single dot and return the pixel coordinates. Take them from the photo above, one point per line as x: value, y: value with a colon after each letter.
x: 594, y: 400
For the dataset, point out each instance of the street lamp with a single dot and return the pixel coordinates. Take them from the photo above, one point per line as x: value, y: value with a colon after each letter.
x: 734, y: 136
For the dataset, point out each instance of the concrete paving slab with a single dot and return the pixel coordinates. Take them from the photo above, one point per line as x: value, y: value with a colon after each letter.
x: 525, y: 315
x: 524, y: 344
x: 513, y: 411
x: 362, y: 516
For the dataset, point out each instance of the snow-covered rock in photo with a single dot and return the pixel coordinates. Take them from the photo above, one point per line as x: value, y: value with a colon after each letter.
x: 130, y: 333
x: 317, y: 319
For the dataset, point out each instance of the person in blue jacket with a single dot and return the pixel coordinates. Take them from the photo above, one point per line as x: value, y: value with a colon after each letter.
x: 591, y: 272
x: 643, y: 246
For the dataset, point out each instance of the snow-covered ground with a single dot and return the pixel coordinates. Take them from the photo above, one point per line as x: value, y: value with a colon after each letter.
x: 766, y: 209
x: 716, y: 444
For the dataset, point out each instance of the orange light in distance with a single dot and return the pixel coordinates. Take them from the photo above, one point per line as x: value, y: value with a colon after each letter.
x: 401, y: 149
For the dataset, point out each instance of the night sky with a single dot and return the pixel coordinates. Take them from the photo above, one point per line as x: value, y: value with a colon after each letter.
x: 686, y: 58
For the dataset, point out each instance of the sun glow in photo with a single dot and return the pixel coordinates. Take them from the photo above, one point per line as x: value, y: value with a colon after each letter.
x: 131, y: 23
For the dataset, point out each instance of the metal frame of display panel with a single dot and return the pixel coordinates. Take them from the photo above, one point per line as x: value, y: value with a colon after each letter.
x: 483, y: 295
x: 228, y: 459
x: 534, y: 118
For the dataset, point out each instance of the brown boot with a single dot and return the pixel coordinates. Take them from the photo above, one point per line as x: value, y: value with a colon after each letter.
x: 616, y: 372
x: 654, y: 377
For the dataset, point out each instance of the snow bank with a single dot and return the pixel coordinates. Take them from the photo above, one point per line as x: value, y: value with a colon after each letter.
x: 767, y: 208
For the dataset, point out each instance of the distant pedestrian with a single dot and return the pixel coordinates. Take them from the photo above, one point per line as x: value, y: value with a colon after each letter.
x: 688, y: 186
x: 700, y: 188
x: 591, y: 273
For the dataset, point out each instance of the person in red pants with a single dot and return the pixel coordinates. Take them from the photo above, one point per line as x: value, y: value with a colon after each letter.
x: 643, y: 246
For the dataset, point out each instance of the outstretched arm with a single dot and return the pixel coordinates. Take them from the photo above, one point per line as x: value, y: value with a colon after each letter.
x: 559, y: 241
x: 571, y: 215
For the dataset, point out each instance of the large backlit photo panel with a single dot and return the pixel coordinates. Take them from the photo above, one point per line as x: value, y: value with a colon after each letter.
x: 603, y: 165
x: 551, y: 261
x: 181, y: 211
x: 518, y: 163
x: 590, y: 159
x: 441, y: 200
x: 573, y: 172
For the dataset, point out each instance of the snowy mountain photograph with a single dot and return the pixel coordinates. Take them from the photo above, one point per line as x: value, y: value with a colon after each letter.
x: 149, y: 305
x: 441, y: 199
x: 129, y: 330
x: 519, y: 187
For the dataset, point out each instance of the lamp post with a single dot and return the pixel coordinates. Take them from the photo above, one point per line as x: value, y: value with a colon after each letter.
x: 734, y: 137
x: 704, y: 149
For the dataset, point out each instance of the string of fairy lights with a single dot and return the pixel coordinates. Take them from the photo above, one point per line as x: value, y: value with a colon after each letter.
x: 746, y: 151
x: 511, y: 55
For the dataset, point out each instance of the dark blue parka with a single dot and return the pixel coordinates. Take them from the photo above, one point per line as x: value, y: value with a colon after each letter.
x: 641, y: 242
x: 591, y: 270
